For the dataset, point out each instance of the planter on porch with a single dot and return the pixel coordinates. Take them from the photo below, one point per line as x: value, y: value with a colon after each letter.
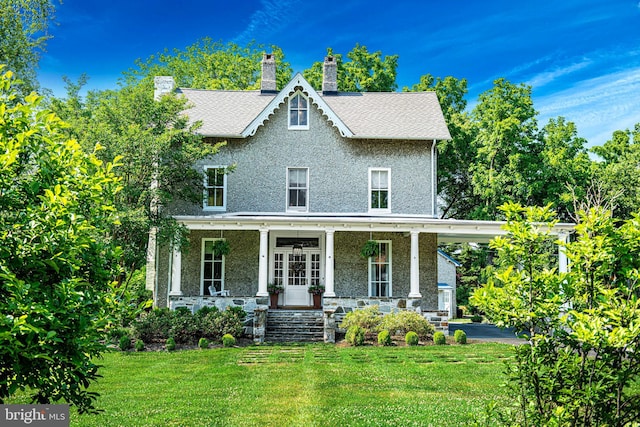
x: 274, y: 290
x: 317, y: 300
x: 317, y: 291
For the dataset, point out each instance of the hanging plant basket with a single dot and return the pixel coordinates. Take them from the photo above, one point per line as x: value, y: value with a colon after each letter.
x: 221, y: 247
x: 371, y: 248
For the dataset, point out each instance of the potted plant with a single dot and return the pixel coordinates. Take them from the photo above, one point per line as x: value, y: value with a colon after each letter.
x: 316, y: 291
x: 274, y: 289
x: 371, y: 248
x: 221, y: 247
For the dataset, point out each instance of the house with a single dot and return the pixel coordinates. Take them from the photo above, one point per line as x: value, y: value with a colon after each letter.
x: 316, y: 175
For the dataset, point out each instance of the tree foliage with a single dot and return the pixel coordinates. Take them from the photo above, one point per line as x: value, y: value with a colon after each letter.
x: 56, y: 263
x: 207, y: 64
x: 23, y: 34
x: 582, y: 363
x: 364, y: 72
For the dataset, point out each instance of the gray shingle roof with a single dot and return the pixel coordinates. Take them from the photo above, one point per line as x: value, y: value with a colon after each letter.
x: 369, y: 115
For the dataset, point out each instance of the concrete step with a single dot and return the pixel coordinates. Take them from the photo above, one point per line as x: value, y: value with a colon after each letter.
x: 294, y: 326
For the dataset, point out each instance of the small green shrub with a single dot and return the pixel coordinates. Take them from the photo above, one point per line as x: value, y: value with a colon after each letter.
x: 203, y: 343
x: 368, y: 318
x: 184, y: 327
x: 476, y: 318
x: 153, y: 326
x: 411, y: 338
x: 460, y: 336
x: 384, y: 338
x: 170, y: 344
x: 124, y: 343
x: 401, y: 322
x: 355, y: 335
x: 439, y: 338
x: 228, y: 340
x: 139, y: 345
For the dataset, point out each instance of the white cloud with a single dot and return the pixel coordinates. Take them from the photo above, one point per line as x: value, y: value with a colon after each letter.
x: 549, y: 76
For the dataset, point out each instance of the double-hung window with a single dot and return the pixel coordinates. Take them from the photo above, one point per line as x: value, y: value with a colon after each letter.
x: 297, y: 189
x: 215, y: 188
x: 212, y: 269
x: 298, y: 111
x: 379, y: 190
x: 380, y: 271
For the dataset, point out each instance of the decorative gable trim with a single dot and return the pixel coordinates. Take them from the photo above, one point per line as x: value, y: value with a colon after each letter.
x: 298, y: 81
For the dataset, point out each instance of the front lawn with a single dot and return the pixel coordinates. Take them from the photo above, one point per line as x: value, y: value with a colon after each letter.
x: 312, y: 385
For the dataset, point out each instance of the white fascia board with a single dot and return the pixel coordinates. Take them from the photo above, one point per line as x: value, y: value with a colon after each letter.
x: 297, y: 81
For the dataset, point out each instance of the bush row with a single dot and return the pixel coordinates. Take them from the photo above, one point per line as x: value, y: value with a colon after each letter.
x: 372, y: 321
x: 186, y: 328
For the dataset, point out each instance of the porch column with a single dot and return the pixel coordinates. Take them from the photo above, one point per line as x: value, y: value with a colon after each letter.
x: 415, y: 266
x: 329, y: 290
x: 263, y: 267
x: 563, y: 264
x: 176, y: 271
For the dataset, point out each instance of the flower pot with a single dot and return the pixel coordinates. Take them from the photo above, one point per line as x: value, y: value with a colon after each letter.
x: 317, y: 300
x: 274, y: 301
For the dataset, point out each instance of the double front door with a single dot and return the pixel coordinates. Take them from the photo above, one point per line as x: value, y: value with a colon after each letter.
x: 297, y: 268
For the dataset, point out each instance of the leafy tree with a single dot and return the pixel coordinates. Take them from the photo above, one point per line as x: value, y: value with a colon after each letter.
x: 157, y: 144
x: 582, y: 363
x: 56, y: 264
x: 455, y: 156
x: 365, y: 72
x: 23, y: 34
x: 213, y: 65
x: 506, y: 148
x: 619, y: 172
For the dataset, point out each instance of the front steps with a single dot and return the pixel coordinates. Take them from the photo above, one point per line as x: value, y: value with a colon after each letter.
x: 295, y: 326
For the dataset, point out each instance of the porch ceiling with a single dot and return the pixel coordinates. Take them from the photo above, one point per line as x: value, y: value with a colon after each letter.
x: 448, y: 230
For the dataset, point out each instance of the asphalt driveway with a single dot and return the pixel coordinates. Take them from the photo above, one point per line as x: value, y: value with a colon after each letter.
x: 486, y: 332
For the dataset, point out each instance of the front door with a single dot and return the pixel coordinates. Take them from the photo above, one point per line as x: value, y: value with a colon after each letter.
x: 296, y: 270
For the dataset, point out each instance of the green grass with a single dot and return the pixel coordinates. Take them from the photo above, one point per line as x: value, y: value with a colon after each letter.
x: 313, y: 385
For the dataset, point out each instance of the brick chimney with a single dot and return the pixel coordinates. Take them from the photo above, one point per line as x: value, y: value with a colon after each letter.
x: 329, y: 76
x: 162, y: 86
x: 268, y: 82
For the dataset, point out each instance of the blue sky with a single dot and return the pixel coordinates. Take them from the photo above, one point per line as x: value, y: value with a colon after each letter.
x: 582, y: 58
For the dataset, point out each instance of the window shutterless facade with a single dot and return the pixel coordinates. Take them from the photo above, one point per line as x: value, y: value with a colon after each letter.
x: 212, y: 269
x: 215, y: 188
x: 380, y: 271
x: 297, y: 189
x: 379, y: 190
x: 298, y: 111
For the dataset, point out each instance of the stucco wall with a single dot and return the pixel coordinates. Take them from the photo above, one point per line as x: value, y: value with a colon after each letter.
x: 338, y: 169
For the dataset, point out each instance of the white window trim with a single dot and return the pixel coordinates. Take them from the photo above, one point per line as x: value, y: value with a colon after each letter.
x: 371, y: 263
x: 298, y: 127
x: 206, y: 189
x: 298, y: 209
x: 371, y: 208
x: 222, y: 286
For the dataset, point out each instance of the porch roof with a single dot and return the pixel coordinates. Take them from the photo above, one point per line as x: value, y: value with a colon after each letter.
x: 448, y: 230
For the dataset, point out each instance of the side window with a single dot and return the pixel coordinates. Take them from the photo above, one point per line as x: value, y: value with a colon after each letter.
x: 212, y: 269
x: 379, y: 190
x: 215, y: 188
x: 380, y: 271
x: 297, y: 189
x: 298, y: 111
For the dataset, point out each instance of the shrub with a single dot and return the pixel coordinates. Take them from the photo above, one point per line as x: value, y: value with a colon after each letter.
x: 476, y: 318
x: 460, y: 336
x: 439, y: 338
x: 124, y: 343
x: 368, y: 318
x: 401, y: 322
x: 203, y: 343
x: 228, y: 340
x: 139, y: 345
x: 230, y: 321
x: 411, y: 338
x: 153, y: 326
x: 184, y: 327
x: 384, y: 338
x: 170, y: 344
x: 355, y: 335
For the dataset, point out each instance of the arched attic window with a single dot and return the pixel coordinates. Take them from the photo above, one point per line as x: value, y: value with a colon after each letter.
x: 298, y: 111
